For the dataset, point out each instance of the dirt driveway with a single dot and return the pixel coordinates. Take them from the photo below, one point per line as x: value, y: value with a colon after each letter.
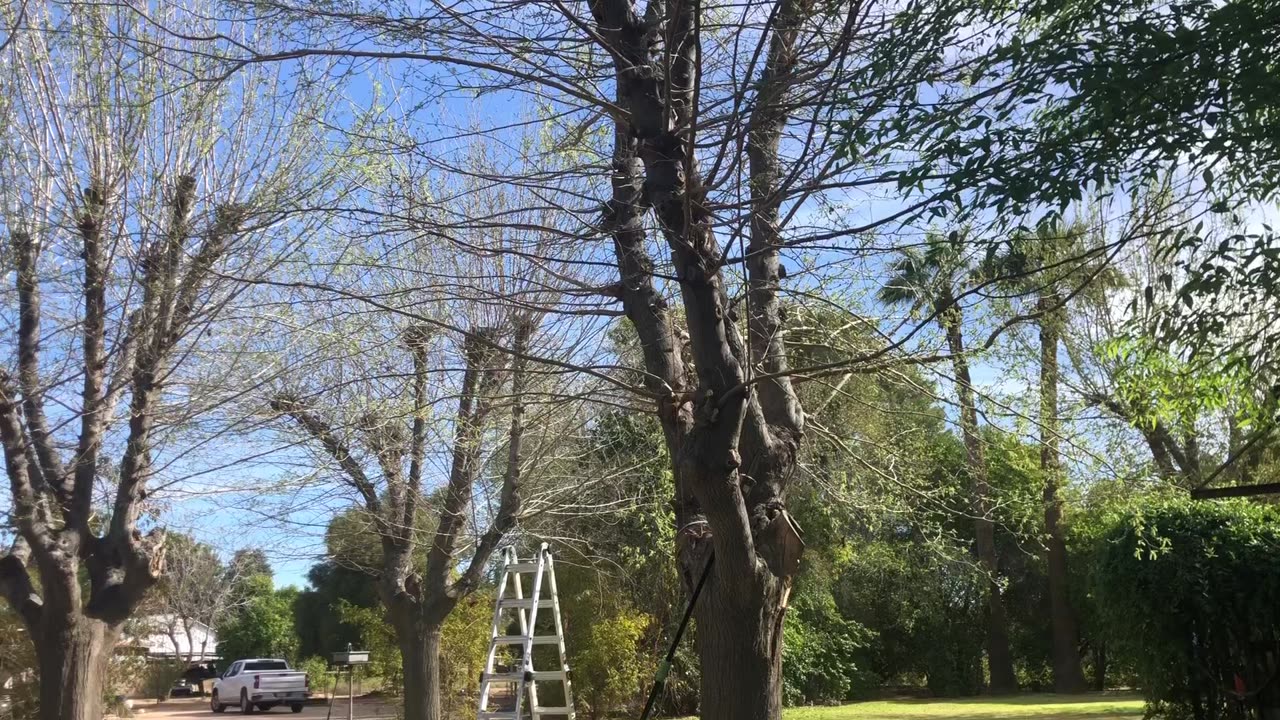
x: 198, y: 709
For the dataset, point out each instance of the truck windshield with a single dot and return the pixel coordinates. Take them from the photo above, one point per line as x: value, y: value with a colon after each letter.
x: 266, y: 665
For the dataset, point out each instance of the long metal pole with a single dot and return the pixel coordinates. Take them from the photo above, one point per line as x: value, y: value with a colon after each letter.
x: 351, y: 696
x: 337, y: 676
x: 664, y: 667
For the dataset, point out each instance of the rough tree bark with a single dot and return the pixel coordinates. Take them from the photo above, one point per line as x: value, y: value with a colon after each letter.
x: 733, y: 440
x: 999, y: 656
x: 1067, y: 675
x: 74, y: 624
x: 419, y: 641
x: 418, y: 597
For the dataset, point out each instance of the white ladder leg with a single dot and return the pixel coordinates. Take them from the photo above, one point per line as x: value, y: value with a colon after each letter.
x: 564, y: 658
x: 541, y: 567
x: 494, y: 631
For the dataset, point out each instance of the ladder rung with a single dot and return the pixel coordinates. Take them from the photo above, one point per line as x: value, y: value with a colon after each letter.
x: 523, y: 603
x: 522, y: 567
x: 519, y: 640
x: 538, y: 676
x: 504, y: 715
x: 551, y: 710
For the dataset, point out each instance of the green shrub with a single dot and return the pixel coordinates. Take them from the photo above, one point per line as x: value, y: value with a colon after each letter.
x: 608, y: 668
x: 379, y: 638
x: 464, y: 644
x: 18, y: 657
x: 1190, y: 594
x: 318, y: 675
x: 817, y: 663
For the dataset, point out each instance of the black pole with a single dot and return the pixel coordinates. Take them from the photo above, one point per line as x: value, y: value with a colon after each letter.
x: 664, y: 667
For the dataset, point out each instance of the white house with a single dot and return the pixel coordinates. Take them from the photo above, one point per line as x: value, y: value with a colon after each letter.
x: 170, y: 636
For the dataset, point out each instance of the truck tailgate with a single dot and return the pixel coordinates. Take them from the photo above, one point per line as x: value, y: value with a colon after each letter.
x: 279, y: 681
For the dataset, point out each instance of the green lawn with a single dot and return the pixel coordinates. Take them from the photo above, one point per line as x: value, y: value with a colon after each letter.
x: 1109, y: 706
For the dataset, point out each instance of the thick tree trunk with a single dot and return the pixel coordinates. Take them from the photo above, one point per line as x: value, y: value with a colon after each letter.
x: 73, y: 652
x: 1067, y: 675
x: 999, y: 656
x: 740, y: 652
x: 733, y: 442
x: 1100, y: 666
x: 420, y: 654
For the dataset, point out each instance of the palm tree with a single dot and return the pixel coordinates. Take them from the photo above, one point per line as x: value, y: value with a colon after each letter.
x: 930, y: 279
x: 1052, y: 264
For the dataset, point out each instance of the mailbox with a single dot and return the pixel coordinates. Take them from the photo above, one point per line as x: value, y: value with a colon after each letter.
x: 351, y: 657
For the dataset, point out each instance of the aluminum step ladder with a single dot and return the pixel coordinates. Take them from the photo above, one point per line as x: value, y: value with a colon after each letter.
x: 524, y: 678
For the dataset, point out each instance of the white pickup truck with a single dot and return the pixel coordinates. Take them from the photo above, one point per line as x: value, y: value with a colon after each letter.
x: 261, y: 684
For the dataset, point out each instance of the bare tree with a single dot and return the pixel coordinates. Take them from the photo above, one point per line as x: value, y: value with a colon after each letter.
x: 197, y: 589
x: 422, y: 405
x: 122, y: 199
x: 706, y: 127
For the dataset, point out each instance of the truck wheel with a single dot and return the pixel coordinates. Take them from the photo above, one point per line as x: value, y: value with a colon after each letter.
x: 246, y: 707
x: 214, y: 705
x: 296, y: 707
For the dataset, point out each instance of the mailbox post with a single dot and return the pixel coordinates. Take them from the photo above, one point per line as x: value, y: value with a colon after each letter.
x: 348, y: 659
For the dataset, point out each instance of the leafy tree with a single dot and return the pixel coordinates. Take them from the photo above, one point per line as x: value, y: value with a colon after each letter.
x: 1068, y: 97
x: 1064, y: 100
x: 263, y: 626
x: 250, y: 562
x: 318, y: 622
x: 1207, y: 418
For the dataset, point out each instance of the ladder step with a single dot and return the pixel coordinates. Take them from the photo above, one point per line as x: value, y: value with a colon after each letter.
x: 523, y: 603
x: 522, y: 567
x: 551, y: 710
x: 538, y: 676
x: 519, y: 640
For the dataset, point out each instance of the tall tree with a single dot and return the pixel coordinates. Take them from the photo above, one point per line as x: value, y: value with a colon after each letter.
x: 1052, y: 265
x: 418, y: 599
x: 121, y: 207
x: 713, y: 139
x: 932, y: 279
